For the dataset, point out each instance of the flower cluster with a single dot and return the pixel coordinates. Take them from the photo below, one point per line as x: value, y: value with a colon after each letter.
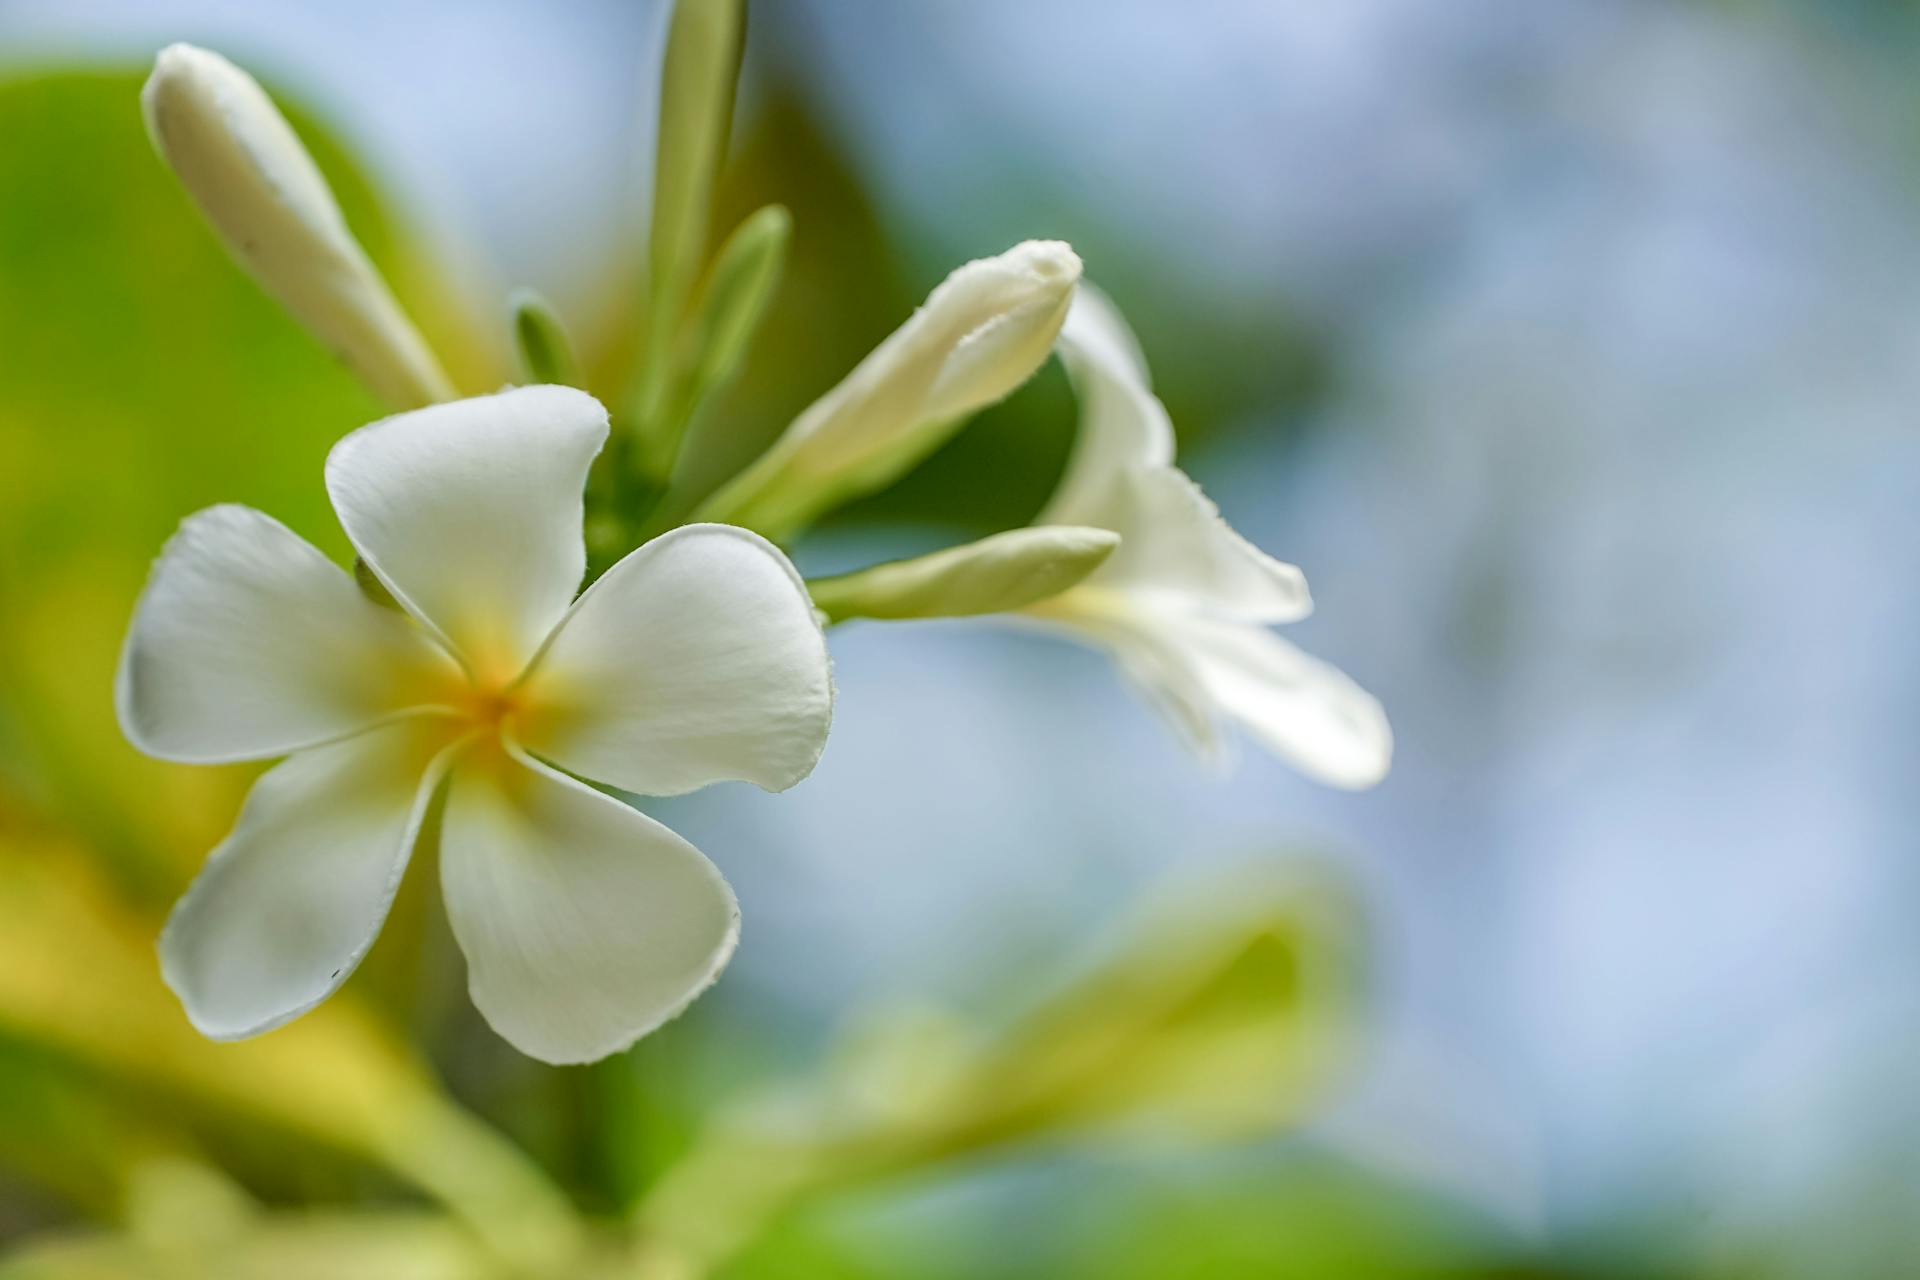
x: 451, y: 694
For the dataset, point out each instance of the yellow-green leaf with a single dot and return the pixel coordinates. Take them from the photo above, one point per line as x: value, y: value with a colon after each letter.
x: 79, y: 978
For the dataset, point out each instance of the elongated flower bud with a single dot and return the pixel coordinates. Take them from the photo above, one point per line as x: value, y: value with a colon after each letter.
x: 726, y: 312
x: 546, y: 352
x: 981, y: 334
x: 697, y: 75
x: 1006, y: 571
x: 243, y: 165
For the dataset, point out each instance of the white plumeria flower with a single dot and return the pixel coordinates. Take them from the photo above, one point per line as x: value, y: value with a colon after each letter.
x: 585, y: 924
x: 1184, y: 604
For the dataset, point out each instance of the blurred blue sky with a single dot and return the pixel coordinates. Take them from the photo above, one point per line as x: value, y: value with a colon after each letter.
x: 1614, y: 499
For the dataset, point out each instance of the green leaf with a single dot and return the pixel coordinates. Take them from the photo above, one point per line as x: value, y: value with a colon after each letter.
x: 70, y: 1135
x: 333, y: 1076
x: 288, y: 1246
x: 1221, y: 1013
x: 1299, y: 1214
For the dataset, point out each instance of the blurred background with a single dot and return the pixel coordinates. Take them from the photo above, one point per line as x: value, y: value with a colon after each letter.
x: 1572, y: 350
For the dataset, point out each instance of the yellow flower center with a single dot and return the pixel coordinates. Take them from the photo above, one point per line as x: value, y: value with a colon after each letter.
x: 490, y: 705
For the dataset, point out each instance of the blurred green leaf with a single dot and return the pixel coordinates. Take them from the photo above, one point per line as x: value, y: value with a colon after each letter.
x: 390, y: 1246
x: 79, y: 979
x: 1299, y: 1219
x: 67, y: 1134
x: 1220, y: 1013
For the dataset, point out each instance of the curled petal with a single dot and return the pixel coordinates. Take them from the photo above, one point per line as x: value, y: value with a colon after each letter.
x: 289, y: 902
x: 1304, y: 711
x: 1147, y: 657
x: 249, y: 643
x: 695, y: 659
x: 585, y: 923
x: 470, y: 514
x: 1123, y: 425
x: 1307, y: 712
x: 1176, y: 550
x: 1121, y: 477
x: 1200, y: 672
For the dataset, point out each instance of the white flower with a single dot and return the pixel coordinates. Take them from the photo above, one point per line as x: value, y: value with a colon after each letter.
x: 1184, y: 605
x: 585, y: 923
x: 243, y: 165
x: 979, y: 335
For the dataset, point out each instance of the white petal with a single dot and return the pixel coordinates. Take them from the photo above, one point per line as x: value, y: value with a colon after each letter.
x: 1121, y: 477
x: 1156, y: 668
x: 289, y: 902
x: 1176, y: 550
x: 1018, y: 302
x: 1300, y: 708
x: 1198, y: 671
x: 696, y: 659
x: 247, y: 642
x: 585, y: 923
x: 470, y: 513
x: 1123, y: 425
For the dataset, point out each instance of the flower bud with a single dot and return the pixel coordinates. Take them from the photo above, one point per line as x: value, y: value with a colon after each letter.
x: 1006, y: 571
x: 981, y: 334
x: 697, y: 76
x: 243, y: 165
x: 546, y: 352
x: 726, y: 313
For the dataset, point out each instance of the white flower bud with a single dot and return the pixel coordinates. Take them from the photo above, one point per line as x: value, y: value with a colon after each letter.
x: 981, y: 334
x: 246, y: 169
x: 1006, y: 571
